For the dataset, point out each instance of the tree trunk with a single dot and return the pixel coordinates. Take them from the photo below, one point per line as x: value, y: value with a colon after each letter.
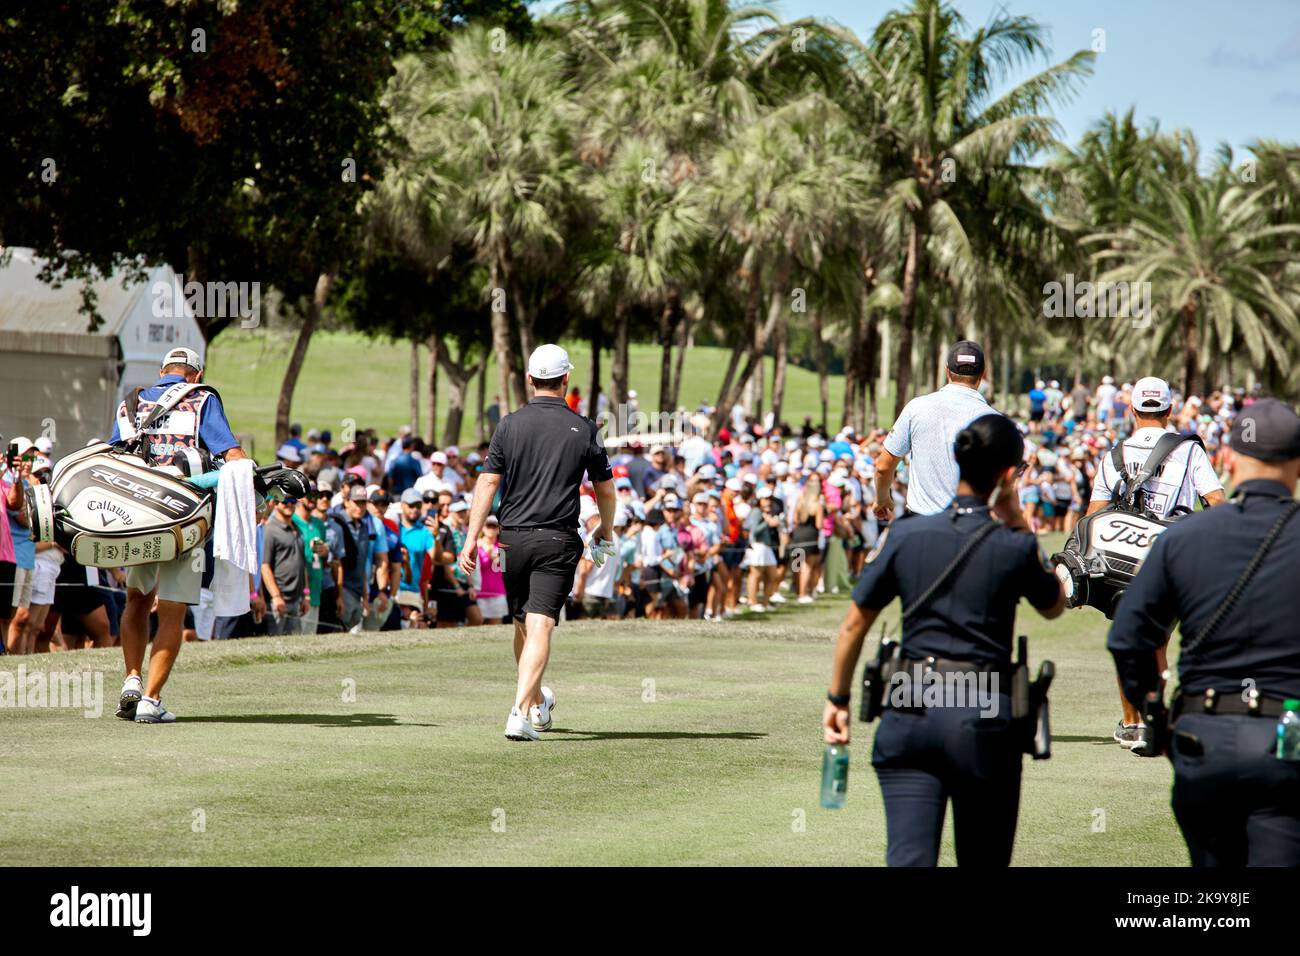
x: 781, y: 352
x: 296, y: 358
x: 886, y: 331
x: 415, y: 387
x: 619, y: 371
x: 866, y: 365
x: 501, y: 345
x: 684, y: 343
x: 521, y: 328
x: 819, y: 359
x: 850, y: 368
x: 431, y: 428
x: 667, y: 326
x: 459, y: 375
x: 1193, y: 377
x: 755, y: 367
x: 728, y: 377
x: 907, y: 317
x: 482, y: 400
x: 593, y: 390
x: 733, y: 386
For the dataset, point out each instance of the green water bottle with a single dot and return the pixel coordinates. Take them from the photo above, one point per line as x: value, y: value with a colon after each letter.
x: 835, y: 776
x: 1288, y: 731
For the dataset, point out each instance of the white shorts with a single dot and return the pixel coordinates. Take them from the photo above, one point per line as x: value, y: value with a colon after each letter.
x: 760, y: 556
x: 22, y: 587
x: 494, y: 606
x: 178, y: 580
x: 43, y: 578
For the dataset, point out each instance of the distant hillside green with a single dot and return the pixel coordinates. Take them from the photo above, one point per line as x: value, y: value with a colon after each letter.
x: 349, y: 376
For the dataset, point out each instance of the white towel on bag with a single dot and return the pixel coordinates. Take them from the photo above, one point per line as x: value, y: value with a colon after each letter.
x: 234, y: 539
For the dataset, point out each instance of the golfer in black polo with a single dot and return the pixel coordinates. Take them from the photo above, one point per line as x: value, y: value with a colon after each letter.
x: 538, y: 457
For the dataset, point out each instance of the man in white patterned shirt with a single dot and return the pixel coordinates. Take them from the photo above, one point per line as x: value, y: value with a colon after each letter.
x: 925, y: 431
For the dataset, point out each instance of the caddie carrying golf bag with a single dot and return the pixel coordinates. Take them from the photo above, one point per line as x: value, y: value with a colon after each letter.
x: 1106, y: 549
x: 110, y: 507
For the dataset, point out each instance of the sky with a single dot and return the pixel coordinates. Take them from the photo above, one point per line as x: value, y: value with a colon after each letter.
x: 1229, y: 70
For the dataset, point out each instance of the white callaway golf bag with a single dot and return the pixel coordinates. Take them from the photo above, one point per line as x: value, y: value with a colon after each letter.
x: 110, y: 508
x: 1106, y: 549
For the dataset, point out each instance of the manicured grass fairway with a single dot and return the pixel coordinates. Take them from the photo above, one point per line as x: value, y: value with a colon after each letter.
x: 716, y: 762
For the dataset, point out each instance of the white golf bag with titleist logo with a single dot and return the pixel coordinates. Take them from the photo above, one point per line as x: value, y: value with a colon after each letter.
x: 1105, y: 550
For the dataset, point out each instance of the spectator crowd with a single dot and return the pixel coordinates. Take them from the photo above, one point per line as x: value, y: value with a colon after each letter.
x: 764, y: 515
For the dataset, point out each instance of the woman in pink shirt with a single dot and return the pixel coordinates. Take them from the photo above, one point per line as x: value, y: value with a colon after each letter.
x: 492, y: 590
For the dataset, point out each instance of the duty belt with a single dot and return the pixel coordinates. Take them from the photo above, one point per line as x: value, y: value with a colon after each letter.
x: 1228, y: 703
x: 943, y: 665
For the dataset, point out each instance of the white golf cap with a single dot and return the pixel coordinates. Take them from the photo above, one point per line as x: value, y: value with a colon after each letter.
x: 44, y: 445
x: 183, y: 356
x: 734, y: 484
x: 290, y: 453
x: 549, y: 361
x: 765, y: 492
x: 437, y: 458
x: 1150, y: 394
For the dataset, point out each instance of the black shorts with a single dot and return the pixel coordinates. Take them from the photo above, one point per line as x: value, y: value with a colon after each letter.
x: 733, y: 554
x: 452, y: 606
x: 7, y: 572
x: 699, y: 589
x: 538, y: 565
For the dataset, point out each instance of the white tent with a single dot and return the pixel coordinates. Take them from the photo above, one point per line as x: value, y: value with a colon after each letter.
x: 60, y: 380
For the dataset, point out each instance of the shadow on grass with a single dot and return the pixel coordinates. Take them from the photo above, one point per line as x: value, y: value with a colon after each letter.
x: 580, y: 735
x: 1067, y: 739
x: 315, y: 720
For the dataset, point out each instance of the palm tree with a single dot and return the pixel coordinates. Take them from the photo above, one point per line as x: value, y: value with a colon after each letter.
x: 1212, y: 258
x: 1096, y: 186
x: 491, y: 161
x: 783, y: 189
x: 945, y: 132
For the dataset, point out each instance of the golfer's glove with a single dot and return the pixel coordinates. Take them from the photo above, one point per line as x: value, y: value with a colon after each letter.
x: 601, y: 551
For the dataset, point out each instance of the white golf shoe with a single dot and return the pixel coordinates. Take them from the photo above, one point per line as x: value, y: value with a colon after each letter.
x: 152, y: 712
x: 540, y: 716
x: 518, y: 727
x: 132, y: 691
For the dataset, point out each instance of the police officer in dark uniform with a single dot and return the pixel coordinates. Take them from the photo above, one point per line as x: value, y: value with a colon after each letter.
x: 538, y: 457
x: 1235, y: 801
x: 951, y: 747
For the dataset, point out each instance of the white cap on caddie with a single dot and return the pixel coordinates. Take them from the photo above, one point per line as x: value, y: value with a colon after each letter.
x: 1150, y: 394
x: 183, y: 356
x: 548, y: 361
